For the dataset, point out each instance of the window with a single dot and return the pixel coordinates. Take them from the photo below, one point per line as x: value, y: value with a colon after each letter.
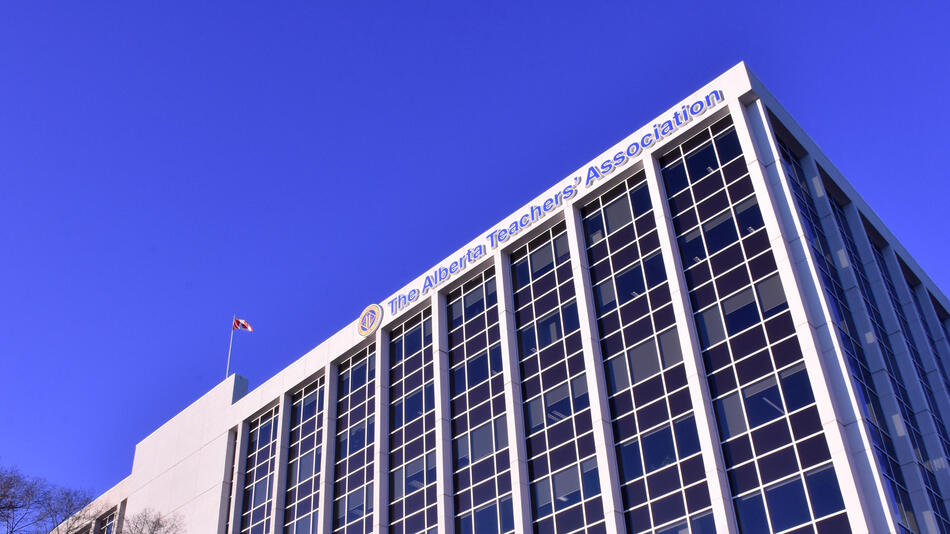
x: 643, y: 360
x: 796, y: 387
x: 720, y: 233
x: 658, y: 449
x: 709, y: 327
x: 787, y: 504
x: 762, y: 402
x: 730, y: 416
x: 771, y: 296
x: 740, y: 312
x: 617, y: 214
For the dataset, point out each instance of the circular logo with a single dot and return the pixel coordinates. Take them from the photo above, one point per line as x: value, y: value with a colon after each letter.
x: 369, y: 320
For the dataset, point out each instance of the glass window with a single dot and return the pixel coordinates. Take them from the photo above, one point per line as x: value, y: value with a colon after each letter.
x: 557, y: 404
x: 824, y: 491
x: 643, y: 360
x: 413, y: 405
x: 604, y: 297
x: 640, y: 197
x: 415, y: 475
x: 658, y: 449
x: 740, y: 311
x: 413, y: 341
x: 527, y: 345
x: 507, y: 515
x: 594, y: 228
x: 561, y: 250
x: 728, y: 146
x: 670, y: 347
x: 730, y: 416
x: 687, y: 441
x: 521, y: 273
x: 630, y: 467
x: 675, y: 178
x: 751, y: 515
x: 691, y: 248
x: 703, y: 524
x: 534, y: 413
x: 617, y: 214
x: 709, y: 325
x: 579, y: 392
x: 720, y: 233
x: 482, y: 442
x: 486, y: 520
x: 762, y: 402
x: 796, y: 387
x: 567, y: 488
x: 541, y: 495
x: 748, y: 217
x: 501, y: 434
x: 455, y: 315
x: 653, y: 269
x: 354, y: 505
x: 630, y: 284
x: 460, y: 448
x: 771, y: 296
x: 701, y: 162
x: 477, y: 369
x: 787, y: 504
x: 474, y: 303
x: 542, y: 261
x: 589, y: 478
x: 617, y: 374
x: 569, y: 315
x: 549, y: 329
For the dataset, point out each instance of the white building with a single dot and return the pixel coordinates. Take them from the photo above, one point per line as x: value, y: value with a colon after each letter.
x: 705, y: 329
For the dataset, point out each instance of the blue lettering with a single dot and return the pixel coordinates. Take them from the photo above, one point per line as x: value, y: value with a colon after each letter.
x: 619, y: 159
x: 646, y: 141
x: 513, y: 228
x: 536, y: 210
x: 697, y: 111
x: 491, y: 239
x: 569, y: 191
x: 592, y: 175
x: 548, y: 205
x: 502, y: 235
x: 607, y: 167
x: 667, y: 128
x: 429, y: 284
x: 717, y: 93
x: 524, y: 220
x: 413, y: 295
x: 635, y: 150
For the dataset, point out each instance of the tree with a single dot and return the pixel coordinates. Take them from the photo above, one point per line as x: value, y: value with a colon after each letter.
x: 149, y: 521
x: 31, y: 505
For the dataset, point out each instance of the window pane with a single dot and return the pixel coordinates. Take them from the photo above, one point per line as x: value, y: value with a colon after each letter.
x: 824, y: 491
x: 477, y: 369
x: 748, y: 217
x: 617, y: 214
x: 455, y: 314
x: 787, y: 504
x: 796, y: 387
x: 482, y: 442
x: 728, y: 146
x: 720, y: 233
x: 740, y: 312
x: 617, y: 374
x: 701, y: 162
x: 534, y: 413
x: 549, y: 329
x: 730, y: 416
x: 579, y: 392
x: 474, y: 303
x: 691, y: 248
x: 594, y: 228
x: 771, y: 296
x: 630, y: 284
x: 460, y: 448
x: 751, y: 515
x: 640, y: 197
x: 604, y: 297
x: 561, y: 250
x: 654, y: 270
x: 557, y: 404
x: 541, y: 495
x: 670, y: 348
x: 567, y: 489
x: 675, y: 178
x: 590, y: 478
x: 415, y: 475
x: 709, y: 324
x: 687, y: 440
x: 569, y: 314
x: 486, y: 520
x: 658, y: 449
x: 520, y: 272
x: 630, y: 467
x: 643, y: 360
x: 542, y: 260
x: 762, y: 402
x: 527, y: 344
x: 413, y: 405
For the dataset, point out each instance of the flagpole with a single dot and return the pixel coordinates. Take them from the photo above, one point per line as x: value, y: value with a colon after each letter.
x: 227, y: 371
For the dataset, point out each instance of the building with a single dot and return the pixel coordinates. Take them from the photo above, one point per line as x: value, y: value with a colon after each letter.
x: 705, y: 329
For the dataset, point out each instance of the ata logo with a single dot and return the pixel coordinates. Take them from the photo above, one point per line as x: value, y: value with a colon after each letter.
x: 370, y: 319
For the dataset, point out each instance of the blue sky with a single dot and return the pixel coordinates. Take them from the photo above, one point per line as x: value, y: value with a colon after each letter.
x: 166, y: 165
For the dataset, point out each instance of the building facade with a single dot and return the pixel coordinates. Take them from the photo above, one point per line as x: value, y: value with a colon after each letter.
x: 705, y: 329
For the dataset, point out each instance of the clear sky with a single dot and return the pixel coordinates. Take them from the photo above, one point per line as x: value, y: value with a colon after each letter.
x: 165, y: 165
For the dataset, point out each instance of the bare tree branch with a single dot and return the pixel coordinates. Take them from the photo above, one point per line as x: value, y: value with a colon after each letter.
x: 149, y: 521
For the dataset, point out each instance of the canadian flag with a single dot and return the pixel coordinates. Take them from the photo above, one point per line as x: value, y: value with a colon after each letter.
x: 241, y: 324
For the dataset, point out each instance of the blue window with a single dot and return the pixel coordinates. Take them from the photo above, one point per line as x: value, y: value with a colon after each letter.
x: 617, y: 374
x: 740, y: 311
x: 569, y: 313
x: 720, y: 233
x: 527, y: 344
x: 787, y: 504
x: 542, y: 261
x: 617, y: 214
x: 541, y: 497
x: 728, y: 146
x: 771, y: 296
x: 521, y: 274
x: 653, y: 269
x: 630, y: 467
x: 549, y: 329
x: 477, y: 369
x: 748, y: 217
x: 482, y: 442
x: 413, y: 405
x: 762, y: 402
x: 691, y: 248
x: 486, y: 520
x: 604, y: 297
x: 709, y: 327
x: 640, y: 198
x: 824, y: 491
x: 701, y: 162
x: 751, y: 515
x: 474, y: 303
x: 594, y: 228
x: 630, y: 284
x: 729, y: 413
x: 658, y: 449
x: 796, y: 387
x: 557, y: 403
x: 567, y: 489
x: 687, y: 441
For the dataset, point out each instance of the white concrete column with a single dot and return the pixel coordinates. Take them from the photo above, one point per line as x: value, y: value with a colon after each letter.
x: 511, y: 374
x: 381, y: 442
x: 606, y: 453
x: 227, y: 482
x: 280, y: 472
x: 707, y: 429
x: 240, y: 467
x: 838, y: 404
x: 443, y: 415
x: 328, y: 443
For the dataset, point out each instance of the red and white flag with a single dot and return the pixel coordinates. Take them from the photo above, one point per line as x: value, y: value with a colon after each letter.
x: 241, y: 324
